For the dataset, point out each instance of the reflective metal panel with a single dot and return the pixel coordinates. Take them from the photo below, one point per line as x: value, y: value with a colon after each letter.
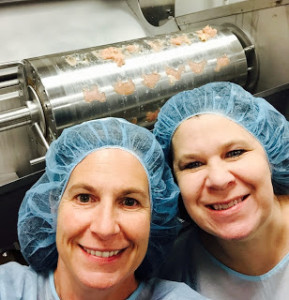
x: 132, y: 79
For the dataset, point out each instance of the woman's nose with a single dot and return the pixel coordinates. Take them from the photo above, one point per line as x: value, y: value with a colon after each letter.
x: 219, y: 177
x: 105, y: 221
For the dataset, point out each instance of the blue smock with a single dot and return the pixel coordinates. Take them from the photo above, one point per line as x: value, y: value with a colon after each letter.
x: 191, y: 263
x: 22, y: 282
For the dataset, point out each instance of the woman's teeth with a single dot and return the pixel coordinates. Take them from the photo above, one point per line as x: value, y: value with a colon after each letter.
x: 102, y: 253
x: 227, y: 205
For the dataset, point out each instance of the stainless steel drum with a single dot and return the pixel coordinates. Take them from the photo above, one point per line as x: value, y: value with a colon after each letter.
x: 133, y: 79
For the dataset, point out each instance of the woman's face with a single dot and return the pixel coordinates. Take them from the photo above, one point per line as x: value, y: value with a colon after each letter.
x: 103, y: 221
x: 223, y: 175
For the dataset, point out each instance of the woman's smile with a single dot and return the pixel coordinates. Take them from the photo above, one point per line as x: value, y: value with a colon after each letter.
x: 225, y: 205
x: 103, y: 253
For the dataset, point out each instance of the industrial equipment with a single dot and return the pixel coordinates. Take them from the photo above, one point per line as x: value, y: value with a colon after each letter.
x: 186, y: 44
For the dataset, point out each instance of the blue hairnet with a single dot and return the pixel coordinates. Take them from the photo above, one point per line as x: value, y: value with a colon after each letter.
x: 38, y: 211
x: 230, y: 100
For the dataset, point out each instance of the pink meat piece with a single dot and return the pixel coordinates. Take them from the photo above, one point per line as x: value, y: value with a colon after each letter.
x: 175, y: 75
x: 222, y: 62
x: 151, y: 80
x: 181, y: 39
x: 197, y: 67
x: 206, y: 33
x: 152, y: 115
x: 124, y: 87
x: 132, y: 48
x: 156, y: 45
x: 114, y: 54
x: 93, y: 94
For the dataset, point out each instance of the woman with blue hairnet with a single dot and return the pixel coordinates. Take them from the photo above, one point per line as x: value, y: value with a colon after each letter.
x: 229, y: 152
x: 99, y: 220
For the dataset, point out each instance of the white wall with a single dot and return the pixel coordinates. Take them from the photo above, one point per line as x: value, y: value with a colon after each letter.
x: 34, y: 29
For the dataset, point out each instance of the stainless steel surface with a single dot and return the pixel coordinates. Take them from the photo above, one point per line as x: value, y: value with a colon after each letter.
x: 158, y: 12
x: 25, y: 115
x: 36, y: 128
x: 18, y: 109
x: 77, y: 86
x: 11, y: 1
x: 269, y: 92
x: 165, y: 25
x: 184, y: 7
x: 211, y: 13
x: 39, y: 134
x: 14, y: 118
x: 265, y: 22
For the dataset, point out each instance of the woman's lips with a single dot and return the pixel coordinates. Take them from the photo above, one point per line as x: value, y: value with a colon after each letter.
x: 227, y: 205
x: 102, y: 254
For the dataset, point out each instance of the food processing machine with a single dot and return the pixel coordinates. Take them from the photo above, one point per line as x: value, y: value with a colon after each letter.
x: 181, y: 45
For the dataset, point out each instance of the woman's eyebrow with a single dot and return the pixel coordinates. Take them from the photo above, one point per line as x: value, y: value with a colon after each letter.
x: 91, y: 188
x: 231, y: 143
x: 134, y: 190
x: 190, y: 155
x: 79, y: 186
x: 184, y: 157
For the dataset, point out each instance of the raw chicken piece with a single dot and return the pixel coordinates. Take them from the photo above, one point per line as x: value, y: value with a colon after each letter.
x: 74, y: 60
x: 151, y: 80
x: 156, y: 45
x: 93, y: 94
x: 206, y: 33
x: 71, y: 60
x: 197, y: 67
x: 114, y: 54
x: 152, y: 115
x: 124, y: 87
x: 132, y: 48
x: 181, y: 39
x: 174, y: 75
x: 222, y: 62
x: 133, y: 120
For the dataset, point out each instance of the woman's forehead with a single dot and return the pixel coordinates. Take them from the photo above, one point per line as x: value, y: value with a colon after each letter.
x: 212, y: 126
x: 112, y: 158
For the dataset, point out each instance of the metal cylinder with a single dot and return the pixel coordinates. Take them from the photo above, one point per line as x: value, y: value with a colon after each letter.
x: 14, y: 118
x: 132, y: 79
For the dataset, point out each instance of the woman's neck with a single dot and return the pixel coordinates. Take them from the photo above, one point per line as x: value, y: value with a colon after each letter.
x: 259, y: 253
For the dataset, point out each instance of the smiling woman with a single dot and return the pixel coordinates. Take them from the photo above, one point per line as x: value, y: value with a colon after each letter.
x: 228, y: 171
x: 229, y: 152
x: 103, y: 228
x: 99, y: 221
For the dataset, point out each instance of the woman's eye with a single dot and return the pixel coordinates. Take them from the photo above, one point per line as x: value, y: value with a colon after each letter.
x: 84, y: 198
x: 235, y: 153
x: 193, y: 165
x: 130, y: 202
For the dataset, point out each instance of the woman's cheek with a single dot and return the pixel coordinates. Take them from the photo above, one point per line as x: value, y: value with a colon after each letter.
x: 188, y: 185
